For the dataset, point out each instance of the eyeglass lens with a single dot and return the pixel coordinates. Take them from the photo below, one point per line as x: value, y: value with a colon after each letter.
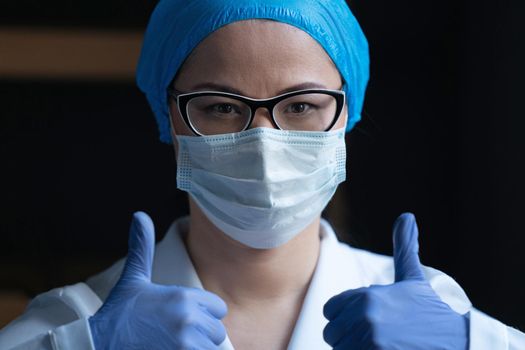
x: 211, y: 115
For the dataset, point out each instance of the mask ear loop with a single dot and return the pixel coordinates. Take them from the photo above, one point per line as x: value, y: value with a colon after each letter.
x: 172, y: 129
x: 173, y: 136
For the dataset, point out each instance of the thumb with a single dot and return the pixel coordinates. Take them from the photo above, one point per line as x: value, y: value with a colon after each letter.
x: 406, y: 249
x: 141, y: 248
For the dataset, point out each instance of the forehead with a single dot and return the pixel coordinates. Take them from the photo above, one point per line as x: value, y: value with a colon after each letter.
x: 260, y: 52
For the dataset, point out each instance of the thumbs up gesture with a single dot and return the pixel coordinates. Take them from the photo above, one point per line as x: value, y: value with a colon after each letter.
x: 139, y: 314
x: 407, y: 314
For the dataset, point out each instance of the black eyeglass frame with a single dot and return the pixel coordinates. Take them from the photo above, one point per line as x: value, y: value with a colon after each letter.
x: 182, y: 100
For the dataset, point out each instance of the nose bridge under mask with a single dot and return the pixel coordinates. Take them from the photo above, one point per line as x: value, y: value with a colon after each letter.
x: 259, y: 158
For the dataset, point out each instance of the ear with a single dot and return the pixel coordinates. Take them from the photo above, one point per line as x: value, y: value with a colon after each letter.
x: 343, y: 119
x: 345, y: 113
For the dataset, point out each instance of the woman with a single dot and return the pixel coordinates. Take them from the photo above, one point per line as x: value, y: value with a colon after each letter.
x: 256, y: 97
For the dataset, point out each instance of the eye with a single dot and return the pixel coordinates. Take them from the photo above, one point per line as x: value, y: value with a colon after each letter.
x: 223, y: 108
x: 298, y: 108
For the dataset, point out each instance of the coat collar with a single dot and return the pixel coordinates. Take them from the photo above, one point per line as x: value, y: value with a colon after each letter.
x: 335, y: 272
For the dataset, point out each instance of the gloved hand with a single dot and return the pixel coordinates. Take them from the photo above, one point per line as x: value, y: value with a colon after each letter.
x: 407, y: 314
x: 139, y: 314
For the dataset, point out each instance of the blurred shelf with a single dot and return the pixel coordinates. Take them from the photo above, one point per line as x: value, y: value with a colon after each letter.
x: 69, y: 53
x: 12, y: 304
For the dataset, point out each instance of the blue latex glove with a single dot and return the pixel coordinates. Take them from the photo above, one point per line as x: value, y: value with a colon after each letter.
x: 407, y: 314
x: 139, y: 314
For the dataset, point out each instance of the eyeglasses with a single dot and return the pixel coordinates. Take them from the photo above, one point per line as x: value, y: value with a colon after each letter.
x: 214, y: 112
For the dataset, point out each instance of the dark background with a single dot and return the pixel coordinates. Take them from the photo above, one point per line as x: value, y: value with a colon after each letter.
x: 442, y: 136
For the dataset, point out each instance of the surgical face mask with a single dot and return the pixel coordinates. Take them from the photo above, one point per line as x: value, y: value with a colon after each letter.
x: 262, y: 186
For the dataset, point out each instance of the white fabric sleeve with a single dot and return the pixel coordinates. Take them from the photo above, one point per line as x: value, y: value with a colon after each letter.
x: 516, y: 339
x: 74, y: 335
x: 487, y: 333
x: 448, y: 290
x: 55, y: 320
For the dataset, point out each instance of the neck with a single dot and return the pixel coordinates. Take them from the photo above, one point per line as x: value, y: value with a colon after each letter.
x: 242, y: 275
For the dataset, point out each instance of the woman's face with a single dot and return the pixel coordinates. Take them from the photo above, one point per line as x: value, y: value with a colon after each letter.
x: 257, y: 59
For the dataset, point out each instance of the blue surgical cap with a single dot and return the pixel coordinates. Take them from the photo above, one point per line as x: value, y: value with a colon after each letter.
x: 176, y: 27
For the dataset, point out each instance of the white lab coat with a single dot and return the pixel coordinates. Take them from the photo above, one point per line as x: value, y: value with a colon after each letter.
x: 58, y: 319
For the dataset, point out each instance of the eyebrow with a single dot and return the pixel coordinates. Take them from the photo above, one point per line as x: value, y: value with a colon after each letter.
x: 225, y: 88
